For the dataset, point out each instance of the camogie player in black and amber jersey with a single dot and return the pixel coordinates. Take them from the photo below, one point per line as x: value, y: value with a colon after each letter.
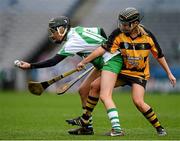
x: 135, y: 44
x: 135, y: 51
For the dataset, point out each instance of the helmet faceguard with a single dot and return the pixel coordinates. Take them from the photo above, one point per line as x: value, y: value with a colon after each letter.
x: 126, y: 18
x: 56, y: 24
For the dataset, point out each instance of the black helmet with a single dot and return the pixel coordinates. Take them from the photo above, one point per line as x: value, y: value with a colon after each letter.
x: 60, y: 21
x: 129, y: 15
x: 55, y: 23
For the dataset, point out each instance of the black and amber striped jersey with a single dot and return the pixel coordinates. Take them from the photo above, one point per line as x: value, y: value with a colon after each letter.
x: 135, y: 52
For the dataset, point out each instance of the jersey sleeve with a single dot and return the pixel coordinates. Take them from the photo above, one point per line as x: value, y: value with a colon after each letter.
x: 155, y: 47
x: 112, y: 44
x: 48, y: 63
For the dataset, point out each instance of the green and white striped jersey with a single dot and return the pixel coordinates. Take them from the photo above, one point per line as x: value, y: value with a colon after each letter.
x: 82, y: 40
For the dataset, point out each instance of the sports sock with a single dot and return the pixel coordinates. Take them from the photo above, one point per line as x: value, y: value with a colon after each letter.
x: 152, y: 118
x: 90, y: 104
x: 114, y: 118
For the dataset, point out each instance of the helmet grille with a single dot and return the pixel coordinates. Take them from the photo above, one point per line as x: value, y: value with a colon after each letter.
x: 129, y: 15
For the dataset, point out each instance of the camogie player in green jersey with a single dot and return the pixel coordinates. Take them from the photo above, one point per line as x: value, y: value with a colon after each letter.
x: 81, y: 41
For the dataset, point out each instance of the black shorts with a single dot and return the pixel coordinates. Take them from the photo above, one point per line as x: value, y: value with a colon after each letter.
x: 129, y: 80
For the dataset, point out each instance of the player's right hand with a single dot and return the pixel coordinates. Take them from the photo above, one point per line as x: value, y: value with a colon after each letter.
x: 172, y: 79
x: 24, y: 65
x: 80, y: 66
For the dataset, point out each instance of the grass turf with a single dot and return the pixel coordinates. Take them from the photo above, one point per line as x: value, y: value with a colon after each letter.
x: 25, y: 116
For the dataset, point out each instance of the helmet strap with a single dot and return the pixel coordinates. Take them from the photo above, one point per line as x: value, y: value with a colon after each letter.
x: 62, y: 34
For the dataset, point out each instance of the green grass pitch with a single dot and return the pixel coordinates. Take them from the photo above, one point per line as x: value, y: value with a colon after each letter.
x: 25, y: 116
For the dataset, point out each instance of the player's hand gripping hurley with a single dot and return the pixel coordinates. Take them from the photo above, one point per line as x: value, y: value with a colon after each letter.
x: 37, y: 88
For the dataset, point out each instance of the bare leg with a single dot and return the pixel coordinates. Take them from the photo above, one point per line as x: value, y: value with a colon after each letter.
x: 85, y: 85
x: 138, y: 99
x: 108, y: 81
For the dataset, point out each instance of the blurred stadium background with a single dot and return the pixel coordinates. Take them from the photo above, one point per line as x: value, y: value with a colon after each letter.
x: 23, y: 35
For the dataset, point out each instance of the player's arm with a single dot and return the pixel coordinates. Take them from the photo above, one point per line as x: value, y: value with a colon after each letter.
x: 96, y: 53
x: 103, y: 34
x: 163, y: 63
x: 47, y: 63
x: 111, y: 45
x: 157, y: 53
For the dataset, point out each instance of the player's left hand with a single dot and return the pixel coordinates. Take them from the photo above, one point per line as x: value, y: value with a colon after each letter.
x: 172, y: 79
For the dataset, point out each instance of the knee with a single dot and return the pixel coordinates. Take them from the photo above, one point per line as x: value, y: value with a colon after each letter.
x: 95, y: 87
